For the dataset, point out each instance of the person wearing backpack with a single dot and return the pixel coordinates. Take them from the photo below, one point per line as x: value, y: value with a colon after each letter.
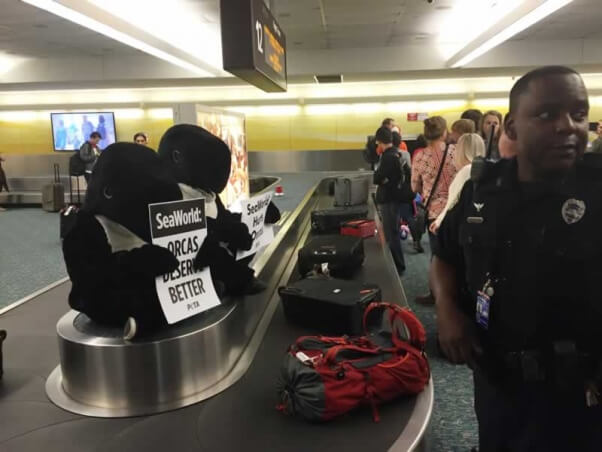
x: 391, y: 193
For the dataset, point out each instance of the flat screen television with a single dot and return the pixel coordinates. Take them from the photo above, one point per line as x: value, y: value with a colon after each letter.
x: 71, y: 130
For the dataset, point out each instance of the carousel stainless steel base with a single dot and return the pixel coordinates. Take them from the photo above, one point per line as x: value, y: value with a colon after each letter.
x: 102, y: 375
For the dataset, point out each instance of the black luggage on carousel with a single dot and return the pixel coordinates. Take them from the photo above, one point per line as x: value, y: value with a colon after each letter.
x: 330, y: 306
x: 344, y: 254
x: 330, y: 220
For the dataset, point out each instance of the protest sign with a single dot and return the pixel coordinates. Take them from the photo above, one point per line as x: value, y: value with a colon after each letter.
x: 253, y: 215
x: 181, y: 227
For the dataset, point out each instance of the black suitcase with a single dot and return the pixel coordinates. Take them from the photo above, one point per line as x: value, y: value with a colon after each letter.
x: 330, y: 306
x: 344, y: 254
x: 68, y: 214
x: 330, y: 220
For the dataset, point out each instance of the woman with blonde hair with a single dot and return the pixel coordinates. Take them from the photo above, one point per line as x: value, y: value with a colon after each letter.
x: 469, y: 146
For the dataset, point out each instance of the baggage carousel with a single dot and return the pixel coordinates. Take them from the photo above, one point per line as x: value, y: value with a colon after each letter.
x: 229, y: 405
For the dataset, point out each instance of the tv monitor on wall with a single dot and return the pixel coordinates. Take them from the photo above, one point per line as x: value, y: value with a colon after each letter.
x: 71, y: 130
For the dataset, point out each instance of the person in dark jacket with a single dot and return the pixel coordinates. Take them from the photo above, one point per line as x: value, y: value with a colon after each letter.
x: 390, y: 193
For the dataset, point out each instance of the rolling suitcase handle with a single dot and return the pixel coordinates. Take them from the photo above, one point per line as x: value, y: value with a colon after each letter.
x: 57, y: 173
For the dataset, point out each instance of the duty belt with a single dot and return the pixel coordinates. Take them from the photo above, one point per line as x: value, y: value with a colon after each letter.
x: 562, y: 364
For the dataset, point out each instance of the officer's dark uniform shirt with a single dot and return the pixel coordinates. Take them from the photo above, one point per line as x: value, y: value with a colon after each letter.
x: 541, y: 245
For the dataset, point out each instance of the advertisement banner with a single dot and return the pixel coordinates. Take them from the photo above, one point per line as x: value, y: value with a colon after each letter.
x: 253, y: 215
x: 181, y: 227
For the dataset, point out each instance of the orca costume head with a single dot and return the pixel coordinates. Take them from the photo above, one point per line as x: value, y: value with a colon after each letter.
x: 196, y: 157
x: 127, y: 178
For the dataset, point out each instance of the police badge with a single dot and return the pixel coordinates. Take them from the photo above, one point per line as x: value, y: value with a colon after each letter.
x: 573, y: 210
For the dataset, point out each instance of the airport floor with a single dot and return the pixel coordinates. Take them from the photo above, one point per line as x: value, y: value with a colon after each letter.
x: 30, y: 259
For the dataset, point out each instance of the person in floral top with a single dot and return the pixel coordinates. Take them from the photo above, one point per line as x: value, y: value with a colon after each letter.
x: 424, y: 172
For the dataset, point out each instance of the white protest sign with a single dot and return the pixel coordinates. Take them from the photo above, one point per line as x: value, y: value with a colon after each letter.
x: 253, y: 215
x: 181, y: 227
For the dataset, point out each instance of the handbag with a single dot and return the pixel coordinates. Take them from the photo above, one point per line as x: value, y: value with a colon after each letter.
x: 422, y: 209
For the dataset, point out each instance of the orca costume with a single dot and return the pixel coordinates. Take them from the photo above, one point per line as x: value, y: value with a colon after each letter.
x: 108, y: 253
x: 201, y: 163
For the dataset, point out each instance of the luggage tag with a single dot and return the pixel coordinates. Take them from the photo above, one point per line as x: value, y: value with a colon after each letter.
x: 484, y: 305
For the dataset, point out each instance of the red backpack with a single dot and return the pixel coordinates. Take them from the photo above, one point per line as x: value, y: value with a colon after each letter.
x: 324, y: 377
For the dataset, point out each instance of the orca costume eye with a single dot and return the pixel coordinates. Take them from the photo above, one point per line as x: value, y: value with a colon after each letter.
x: 176, y: 156
x: 107, y: 193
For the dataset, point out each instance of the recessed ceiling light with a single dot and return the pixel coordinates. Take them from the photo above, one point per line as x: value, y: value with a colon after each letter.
x: 40, y: 26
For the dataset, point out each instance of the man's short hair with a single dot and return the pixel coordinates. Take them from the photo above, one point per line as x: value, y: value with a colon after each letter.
x: 140, y: 134
x: 96, y: 135
x: 522, y: 84
x: 387, y: 122
x: 396, y: 137
x: 383, y: 135
x: 462, y: 126
x: 474, y: 115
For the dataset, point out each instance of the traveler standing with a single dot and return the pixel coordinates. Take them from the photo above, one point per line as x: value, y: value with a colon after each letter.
x: 141, y: 138
x: 3, y: 182
x: 516, y: 276
x: 491, y: 119
x: 389, y: 194
x: 475, y: 116
x: 469, y: 146
x: 436, y: 159
x: 89, y: 153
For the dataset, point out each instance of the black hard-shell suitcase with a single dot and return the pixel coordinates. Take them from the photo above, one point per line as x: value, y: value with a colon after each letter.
x: 330, y: 306
x: 344, y: 254
x: 330, y: 220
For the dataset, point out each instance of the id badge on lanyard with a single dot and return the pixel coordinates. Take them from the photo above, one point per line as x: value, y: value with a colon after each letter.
x: 483, y: 308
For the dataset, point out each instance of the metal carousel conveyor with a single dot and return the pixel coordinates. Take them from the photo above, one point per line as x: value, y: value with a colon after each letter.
x: 243, y: 341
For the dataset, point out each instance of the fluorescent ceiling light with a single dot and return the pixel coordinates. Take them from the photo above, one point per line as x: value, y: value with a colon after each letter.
x: 535, y: 15
x: 79, y: 18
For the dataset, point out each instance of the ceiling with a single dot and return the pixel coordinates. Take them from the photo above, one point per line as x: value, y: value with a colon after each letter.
x: 324, y: 24
x: 28, y: 31
x: 319, y: 32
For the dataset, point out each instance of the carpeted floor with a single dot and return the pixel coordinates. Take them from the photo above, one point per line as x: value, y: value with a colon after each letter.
x: 453, y: 426
x: 30, y: 252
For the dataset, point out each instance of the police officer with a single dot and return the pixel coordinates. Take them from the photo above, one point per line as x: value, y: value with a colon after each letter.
x: 518, y: 276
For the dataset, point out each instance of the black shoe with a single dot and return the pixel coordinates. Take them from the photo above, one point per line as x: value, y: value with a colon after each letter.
x: 255, y: 286
x: 426, y: 300
x: 418, y: 247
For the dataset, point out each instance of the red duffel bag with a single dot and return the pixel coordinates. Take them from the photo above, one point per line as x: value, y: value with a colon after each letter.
x: 324, y: 377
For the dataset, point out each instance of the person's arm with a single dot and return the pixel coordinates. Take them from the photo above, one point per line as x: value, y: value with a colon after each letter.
x: 381, y: 174
x: 417, y: 169
x: 456, y: 331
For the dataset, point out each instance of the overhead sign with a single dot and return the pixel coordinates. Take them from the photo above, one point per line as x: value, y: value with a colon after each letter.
x: 181, y: 227
x: 417, y: 116
x: 253, y: 215
x: 253, y: 44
